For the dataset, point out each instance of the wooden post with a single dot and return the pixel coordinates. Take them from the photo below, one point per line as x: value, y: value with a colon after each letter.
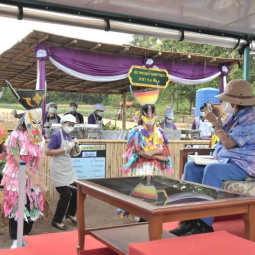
x: 124, y: 100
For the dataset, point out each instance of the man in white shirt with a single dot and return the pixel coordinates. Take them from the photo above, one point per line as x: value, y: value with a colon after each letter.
x: 203, y: 125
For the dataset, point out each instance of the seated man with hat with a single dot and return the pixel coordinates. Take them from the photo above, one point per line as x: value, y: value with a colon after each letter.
x: 235, y: 151
x: 169, y: 116
x: 97, y: 115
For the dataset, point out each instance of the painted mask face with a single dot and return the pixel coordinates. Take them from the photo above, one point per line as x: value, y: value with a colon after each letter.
x: 149, y: 118
x: 33, y: 121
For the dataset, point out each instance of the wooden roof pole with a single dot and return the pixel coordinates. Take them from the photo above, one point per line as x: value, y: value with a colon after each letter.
x: 24, y: 52
x: 107, y: 92
x: 47, y: 74
x: 155, y: 55
x: 57, y: 80
x: 24, y: 72
x: 124, y: 116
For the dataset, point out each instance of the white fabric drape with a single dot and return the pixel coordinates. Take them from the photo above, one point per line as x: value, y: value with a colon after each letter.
x: 38, y: 76
x: 224, y: 82
x: 87, y: 77
x: 178, y: 80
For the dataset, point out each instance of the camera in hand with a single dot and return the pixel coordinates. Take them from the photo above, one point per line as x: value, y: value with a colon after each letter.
x: 209, y: 106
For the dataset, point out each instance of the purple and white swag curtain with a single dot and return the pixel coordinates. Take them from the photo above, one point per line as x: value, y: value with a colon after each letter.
x: 99, y: 67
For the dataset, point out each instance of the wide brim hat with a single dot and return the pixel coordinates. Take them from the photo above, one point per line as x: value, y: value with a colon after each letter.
x: 30, y: 99
x: 238, y: 92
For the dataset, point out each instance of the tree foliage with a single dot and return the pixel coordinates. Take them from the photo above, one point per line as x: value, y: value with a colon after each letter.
x: 185, y: 94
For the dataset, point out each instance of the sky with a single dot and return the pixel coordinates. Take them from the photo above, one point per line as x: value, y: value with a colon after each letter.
x: 13, y: 30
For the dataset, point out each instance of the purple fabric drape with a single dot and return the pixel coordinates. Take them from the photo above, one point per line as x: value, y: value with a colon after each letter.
x: 42, y: 86
x: 97, y: 64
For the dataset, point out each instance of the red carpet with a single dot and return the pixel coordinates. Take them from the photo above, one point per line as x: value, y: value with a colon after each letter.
x: 217, y: 243
x: 66, y: 242
x: 59, y: 244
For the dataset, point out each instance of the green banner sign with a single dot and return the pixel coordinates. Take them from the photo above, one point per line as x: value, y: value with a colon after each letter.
x: 148, y: 77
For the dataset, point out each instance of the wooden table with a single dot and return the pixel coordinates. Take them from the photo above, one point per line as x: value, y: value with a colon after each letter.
x: 115, y: 191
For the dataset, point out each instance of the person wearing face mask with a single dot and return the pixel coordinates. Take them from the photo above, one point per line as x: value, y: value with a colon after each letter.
x: 50, y: 117
x: 97, y: 116
x: 73, y: 111
x: 61, y: 148
x: 169, y: 116
x: 203, y: 125
x: 235, y: 151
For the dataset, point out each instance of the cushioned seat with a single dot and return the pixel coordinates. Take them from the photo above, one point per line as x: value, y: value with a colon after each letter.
x: 243, y: 187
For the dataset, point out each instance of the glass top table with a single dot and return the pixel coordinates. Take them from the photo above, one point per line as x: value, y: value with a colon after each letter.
x: 159, y: 199
x: 160, y: 190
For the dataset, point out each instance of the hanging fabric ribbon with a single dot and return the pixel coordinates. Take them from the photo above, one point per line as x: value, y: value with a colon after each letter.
x: 42, y: 53
x: 223, y: 78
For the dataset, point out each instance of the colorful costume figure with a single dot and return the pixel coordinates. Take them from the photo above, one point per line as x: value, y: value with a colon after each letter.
x: 147, y: 139
x: 147, y: 151
x: 25, y: 144
x: 3, y: 137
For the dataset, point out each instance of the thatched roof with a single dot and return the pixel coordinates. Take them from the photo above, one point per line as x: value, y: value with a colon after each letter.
x: 18, y: 64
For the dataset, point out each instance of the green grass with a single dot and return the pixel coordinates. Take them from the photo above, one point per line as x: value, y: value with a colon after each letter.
x: 111, y: 112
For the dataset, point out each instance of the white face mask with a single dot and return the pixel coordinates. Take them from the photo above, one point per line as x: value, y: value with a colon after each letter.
x: 227, y: 108
x: 168, y: 121
x: 52, y: 110
x: 68, y: 129
x: 100, y: 114
x: 202, y: 114
x: 73, y: 109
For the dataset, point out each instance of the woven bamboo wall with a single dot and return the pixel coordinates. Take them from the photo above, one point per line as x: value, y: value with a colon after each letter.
x: 114, y: 150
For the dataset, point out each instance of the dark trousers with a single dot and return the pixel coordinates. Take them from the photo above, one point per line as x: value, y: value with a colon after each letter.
x: 13, y: 225
x: 67, y: 196
x: 13, y: 228
x: 1, y: 177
